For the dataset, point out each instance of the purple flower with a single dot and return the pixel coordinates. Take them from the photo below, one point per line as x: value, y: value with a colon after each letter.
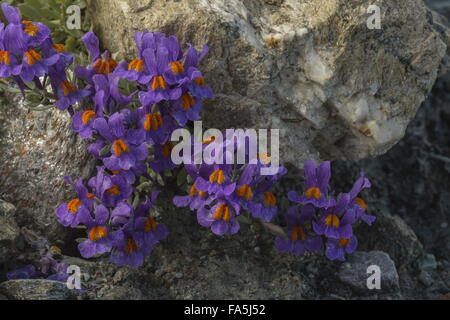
x: 34, y: 65
x: 127, y: 145
x: 121, y: 214
x: 336, y: 220
x: 119, y: 191
x: 82, y: 123
x: 316, y: 186
x: 161, y: 86
x: 8, y: 62
x: 197, y: 84
x: 66, y: 92
x: 157, y: 127
x: 187, y: 108
x: 337, y: 248
x: 357, y: 203
x: 27, y: 272
x: 130, y: 247
x: 193, y: 58
x: 99, y: 235
x: 100, y: 64
x: 110, y: 189
x: 152, y: 232
x: 195, y: 199
x: 106, y: 94
x: 162, y: 157
x: 77, y: 210
x: 299, y: 239
x: 218, y: 182
x: 221, y: 218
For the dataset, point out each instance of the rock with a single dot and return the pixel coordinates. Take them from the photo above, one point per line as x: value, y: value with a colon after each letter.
x: 2, y: 297
x: 354, y: 272
x: 392, y: 235
x: 426, y: 278
x: 10, y: 237
x: 122, y: 293
x: 427, y: 263
x: 335, y: 88
x: 36, y: 289
x: 6, y: 209
x: 38, y: 150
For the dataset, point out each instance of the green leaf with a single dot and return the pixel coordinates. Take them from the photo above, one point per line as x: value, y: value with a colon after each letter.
x: 181, y: 177
x: 244, y: 219
x: 105, y: 150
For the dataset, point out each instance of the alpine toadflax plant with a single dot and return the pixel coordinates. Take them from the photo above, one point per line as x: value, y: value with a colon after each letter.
x: 127, y: 111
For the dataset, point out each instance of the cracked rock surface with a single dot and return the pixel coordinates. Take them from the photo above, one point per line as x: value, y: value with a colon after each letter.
x: 311, y: 68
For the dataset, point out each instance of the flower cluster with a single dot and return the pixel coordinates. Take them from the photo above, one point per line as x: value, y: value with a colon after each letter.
x: 220, y: 192
x: 131, y: 139
x: 30, y: 58
x: 48, y: 267
x: 321, y: 216
x: 128, y: 112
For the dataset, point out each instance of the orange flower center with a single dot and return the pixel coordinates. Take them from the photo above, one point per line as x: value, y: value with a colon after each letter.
x: 222, y: 212
x: 114, y: 190
x: 313, y: 193
x: 136, y: 64
x: 30, y: 28
x: 200, y: 81
x: 167, y: 149
x: 177, y: 67
x: 90, y: 195
x: 343, y: 242
x: 59, y: 47
x: 150, y: 224
x: 208, y: 141
x: 4, y: 57
x: 193, y: 192
x: 32, y: 56
x: 187, y: 101
x: 119, y: 146
x: 361, y: 203
x: 245, y: 191
x: 73, y: 205
x: 298, y: 233
x: 332, y: 220
x: 153, y: 121
x: 87, y: 116
x: 68, y: 87
x: 131, y: 246
x: 269, y: 199
x: 217, y: 176
x: 98, y: 233
x: 158, y: 82
x: 105, y: 66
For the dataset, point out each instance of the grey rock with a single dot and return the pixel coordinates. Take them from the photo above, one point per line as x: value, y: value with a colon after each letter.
x: 426, y: 278
x: 354, y: 272
x: 335, y: 89
x: 392, y: 235
x: 2, y: 297
x: 122, y: 293
x: 427, y: 262
x: 7, y: 209
x: 36, y: 289
x: 10, y: 236
x: 38, y: 150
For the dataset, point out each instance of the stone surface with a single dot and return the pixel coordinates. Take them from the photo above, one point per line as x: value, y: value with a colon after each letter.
x: 354, y: 272
x: 35, y: 289
x: 311, y: 68
x: 392, y: 235
x: 38, y: 150
x: 10, y: 237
